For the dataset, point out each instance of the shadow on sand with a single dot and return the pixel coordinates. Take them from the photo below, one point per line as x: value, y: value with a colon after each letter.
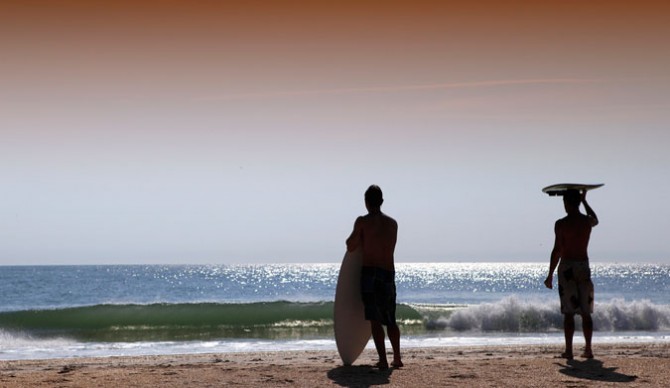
x: 593, y: 370
x: 359, y: 376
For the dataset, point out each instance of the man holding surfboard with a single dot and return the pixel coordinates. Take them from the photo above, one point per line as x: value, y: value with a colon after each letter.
x: 376, y: 233
x: 575, y: 288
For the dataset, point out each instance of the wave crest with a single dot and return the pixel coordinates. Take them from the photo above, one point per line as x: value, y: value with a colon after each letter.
x: 513, y: 315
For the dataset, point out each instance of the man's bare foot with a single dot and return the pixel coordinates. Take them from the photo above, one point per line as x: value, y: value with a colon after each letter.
x: 397, y: 364
x: 382, y: 365
x: 567, y: 355
x: 587, y: 354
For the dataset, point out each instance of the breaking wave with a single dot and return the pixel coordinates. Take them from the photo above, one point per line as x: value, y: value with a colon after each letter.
x: 513, y: 315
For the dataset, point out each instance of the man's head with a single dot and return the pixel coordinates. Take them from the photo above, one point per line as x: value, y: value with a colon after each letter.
x: 572, y: 198
x: 374, y: 197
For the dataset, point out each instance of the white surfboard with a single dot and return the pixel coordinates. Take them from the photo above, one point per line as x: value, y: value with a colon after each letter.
x: 352, y: 331
x: 561, y: 188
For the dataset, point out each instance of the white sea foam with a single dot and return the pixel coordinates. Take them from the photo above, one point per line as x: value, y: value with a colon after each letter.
x: 622, y: 315
x: 30, y: 349
x: 515, y: 315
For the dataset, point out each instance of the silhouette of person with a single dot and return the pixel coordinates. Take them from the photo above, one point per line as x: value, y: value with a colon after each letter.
x: 376, y: 233
x: 574, y: 274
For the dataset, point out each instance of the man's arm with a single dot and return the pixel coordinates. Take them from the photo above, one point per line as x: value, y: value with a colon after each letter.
x: 393, y: 240
x: 555, y: 257
x: 589, y: 211
x: 356, y: 237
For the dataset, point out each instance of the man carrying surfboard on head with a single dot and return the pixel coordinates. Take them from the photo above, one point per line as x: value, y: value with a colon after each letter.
x: 574, y: 275
x: 376, y: 233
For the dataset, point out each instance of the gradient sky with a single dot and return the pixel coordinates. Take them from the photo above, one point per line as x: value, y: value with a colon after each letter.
x: 247, y: 131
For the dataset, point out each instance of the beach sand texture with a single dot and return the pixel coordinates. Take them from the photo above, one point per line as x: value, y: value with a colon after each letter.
x: 629, y: 365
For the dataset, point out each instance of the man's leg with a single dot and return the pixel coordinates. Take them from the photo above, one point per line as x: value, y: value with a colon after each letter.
x: 569, y: 329
x: 394, y: 337
x: 378, y: 337
x: 587, y: 327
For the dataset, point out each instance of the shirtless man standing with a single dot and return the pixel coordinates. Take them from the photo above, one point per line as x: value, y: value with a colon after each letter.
x: 377, y: 234
x: 574, y: 275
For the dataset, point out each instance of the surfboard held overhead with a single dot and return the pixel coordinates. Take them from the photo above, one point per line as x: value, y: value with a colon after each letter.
x: 561, y: 188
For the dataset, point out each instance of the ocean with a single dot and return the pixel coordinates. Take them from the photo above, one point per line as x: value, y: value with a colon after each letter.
x: 87, y: 311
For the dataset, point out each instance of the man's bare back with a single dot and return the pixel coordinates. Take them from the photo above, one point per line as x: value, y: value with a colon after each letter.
x: 377, y: 234
x: 572, y: 237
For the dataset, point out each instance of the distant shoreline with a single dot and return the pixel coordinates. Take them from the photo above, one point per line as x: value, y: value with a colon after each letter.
x: 334, y: 262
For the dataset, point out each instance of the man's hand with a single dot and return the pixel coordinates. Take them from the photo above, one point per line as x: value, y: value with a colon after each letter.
x: 548, y: 282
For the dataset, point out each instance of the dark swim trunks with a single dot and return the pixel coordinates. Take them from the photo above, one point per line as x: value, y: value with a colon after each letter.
x: 379, y: 295
x: 575, y: 287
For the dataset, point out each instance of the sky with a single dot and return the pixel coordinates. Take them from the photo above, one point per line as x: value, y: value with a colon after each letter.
x: 178, y: 132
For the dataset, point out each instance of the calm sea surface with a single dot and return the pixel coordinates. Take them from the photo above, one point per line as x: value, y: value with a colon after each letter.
x: 73, y: 311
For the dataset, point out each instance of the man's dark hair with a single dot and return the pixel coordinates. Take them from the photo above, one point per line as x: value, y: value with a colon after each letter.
x: 373, y: 196
x: 572, y: 197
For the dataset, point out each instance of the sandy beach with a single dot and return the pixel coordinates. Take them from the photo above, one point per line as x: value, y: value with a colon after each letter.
x: 631, y: 365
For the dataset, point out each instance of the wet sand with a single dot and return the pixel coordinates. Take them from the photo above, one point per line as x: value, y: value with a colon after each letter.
x: 630, y: 365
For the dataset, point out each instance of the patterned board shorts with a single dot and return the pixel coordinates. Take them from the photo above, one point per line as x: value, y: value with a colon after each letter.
x: 575, y: 287
x: 379, y: 295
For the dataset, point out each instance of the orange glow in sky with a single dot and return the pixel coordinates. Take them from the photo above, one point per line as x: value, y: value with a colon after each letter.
x: 153, y: 131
